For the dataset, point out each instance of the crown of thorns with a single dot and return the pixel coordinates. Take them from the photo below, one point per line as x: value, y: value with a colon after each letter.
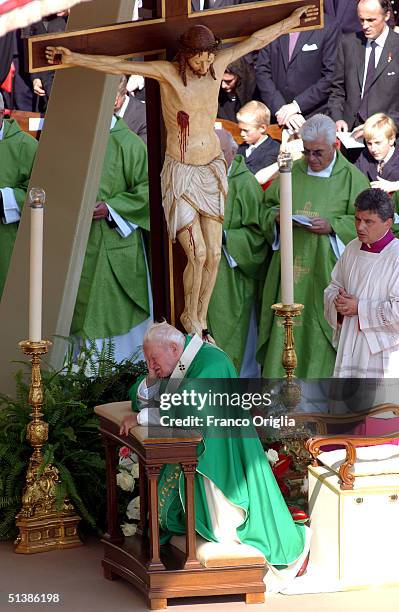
x: 203, y: 49
x: 203, y: 43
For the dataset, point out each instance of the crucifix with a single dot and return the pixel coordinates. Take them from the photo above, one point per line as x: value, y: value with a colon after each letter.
x: 188, y: 132
x: 152, y: 38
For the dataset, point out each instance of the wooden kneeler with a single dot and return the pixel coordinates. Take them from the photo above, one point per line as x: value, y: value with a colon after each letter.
x: 169, y: 571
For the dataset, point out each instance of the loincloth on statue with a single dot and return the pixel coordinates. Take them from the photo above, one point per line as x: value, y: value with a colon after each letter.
x: 188, y: 191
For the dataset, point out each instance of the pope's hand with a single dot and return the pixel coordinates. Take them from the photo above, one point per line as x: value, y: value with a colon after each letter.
x: 151, y: 377
x: 58, y: 55
x: 127, y: 423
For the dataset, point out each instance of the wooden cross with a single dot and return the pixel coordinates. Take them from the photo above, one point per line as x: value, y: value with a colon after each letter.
x: 157, y: 37
x: 161, y: 34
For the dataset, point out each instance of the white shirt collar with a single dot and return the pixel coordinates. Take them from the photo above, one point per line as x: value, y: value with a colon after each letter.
x: 380, y: 40
x: 2, y: 131
x: 326, y: 173
x: 250, y: 148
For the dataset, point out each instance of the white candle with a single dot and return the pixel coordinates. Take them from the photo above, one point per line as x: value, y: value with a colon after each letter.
x: 286, y: 242
x: 36, y: 198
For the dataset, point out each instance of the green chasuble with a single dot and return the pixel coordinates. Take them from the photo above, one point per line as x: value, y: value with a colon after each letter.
x: 113, y: 291
x: 330, y: 198
x: 237, y: 465
x: 237, y: 287
x: 17, y: 153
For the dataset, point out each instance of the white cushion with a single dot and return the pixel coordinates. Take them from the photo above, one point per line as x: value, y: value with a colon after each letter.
x: 226, y: 554
x: 370, y: 460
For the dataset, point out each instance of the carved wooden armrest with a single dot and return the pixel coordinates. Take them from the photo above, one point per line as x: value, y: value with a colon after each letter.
x: 347, y: 479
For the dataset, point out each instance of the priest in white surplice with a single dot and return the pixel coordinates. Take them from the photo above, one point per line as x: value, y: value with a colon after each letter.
x: 362, y: 301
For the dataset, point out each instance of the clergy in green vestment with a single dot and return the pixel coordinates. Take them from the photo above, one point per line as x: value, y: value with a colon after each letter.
x: 324, y: 188
x: 232, y: 312
x: 236, y: 495
x: 17, y: 153
x: 113, y: 297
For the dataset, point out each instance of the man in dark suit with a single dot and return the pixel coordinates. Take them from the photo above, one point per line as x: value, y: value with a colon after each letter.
x: 43, y: 81
x: 345, y: 12
x: 366, y: 79
x: 294, y: 73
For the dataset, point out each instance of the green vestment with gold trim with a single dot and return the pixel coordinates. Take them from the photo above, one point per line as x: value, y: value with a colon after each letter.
x: 237, y: 465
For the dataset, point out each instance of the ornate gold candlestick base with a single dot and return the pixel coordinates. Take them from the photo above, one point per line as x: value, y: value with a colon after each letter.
x: 291, y: 391
x: 41, y: 526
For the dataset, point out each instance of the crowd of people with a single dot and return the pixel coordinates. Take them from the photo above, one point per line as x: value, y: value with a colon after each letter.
x: 343, y: 77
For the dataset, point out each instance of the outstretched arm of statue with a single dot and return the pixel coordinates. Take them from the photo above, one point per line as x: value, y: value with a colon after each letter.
x: 265, y: 36
x: 105, y: 63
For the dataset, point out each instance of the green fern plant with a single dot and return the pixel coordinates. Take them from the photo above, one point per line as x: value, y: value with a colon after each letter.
x: 74, y: 445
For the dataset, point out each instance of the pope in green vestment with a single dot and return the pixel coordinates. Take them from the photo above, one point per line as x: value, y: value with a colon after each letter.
x: 330, y: 198
x: 237, y: 285
x: 113, y: 290
x: 237, y: 465
x: 17, y: 154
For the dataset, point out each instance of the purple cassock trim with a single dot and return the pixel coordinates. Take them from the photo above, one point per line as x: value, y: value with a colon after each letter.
x: 380, y: 244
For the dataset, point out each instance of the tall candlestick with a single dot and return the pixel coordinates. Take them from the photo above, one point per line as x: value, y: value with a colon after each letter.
x: 36, y: 198
x: 286, y: 243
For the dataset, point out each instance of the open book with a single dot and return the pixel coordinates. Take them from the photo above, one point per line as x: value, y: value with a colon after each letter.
x: 348, y: 141
x: 302, y: 220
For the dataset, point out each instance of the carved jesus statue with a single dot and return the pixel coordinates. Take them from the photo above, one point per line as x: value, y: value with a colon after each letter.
x: 194, y: 178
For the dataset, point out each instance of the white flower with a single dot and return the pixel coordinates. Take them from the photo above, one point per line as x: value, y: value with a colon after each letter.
x: 125, y: 481
x: 305, y: 486
x: 133, y: 509
x: 135, y: 470
x: 128, y: 529
x: 272, y: 456
x: 127, y: 462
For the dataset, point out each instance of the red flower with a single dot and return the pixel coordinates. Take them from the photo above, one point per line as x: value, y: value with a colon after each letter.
x: 124, y: 451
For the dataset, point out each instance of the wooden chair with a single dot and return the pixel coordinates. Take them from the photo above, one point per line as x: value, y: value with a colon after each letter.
x: 187, y: 566
x: 274, y: 131
x: 22, y: 117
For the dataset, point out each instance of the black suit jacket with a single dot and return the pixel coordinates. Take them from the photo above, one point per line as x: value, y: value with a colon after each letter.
x: 307, y: 77
x: 345, y: 12
x: 261, y: 157
x: 346, y: 89
x: 48, y: 25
